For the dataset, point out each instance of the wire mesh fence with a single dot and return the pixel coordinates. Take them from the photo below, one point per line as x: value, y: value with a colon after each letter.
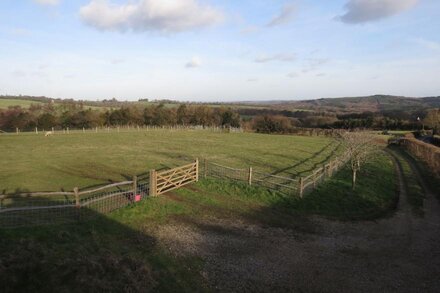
x: 298, y: 186
x: 67, y: 207
x: 29, y: 210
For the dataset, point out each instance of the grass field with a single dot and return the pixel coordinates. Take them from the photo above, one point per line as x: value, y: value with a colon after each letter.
x: 121, y: 251
x: 5, y: 103
x: 33, y: 162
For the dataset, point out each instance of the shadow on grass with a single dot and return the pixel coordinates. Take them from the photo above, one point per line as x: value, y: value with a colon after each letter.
x: 99, y: 255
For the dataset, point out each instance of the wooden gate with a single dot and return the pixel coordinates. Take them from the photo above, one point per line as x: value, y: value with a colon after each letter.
x: 164, y: 181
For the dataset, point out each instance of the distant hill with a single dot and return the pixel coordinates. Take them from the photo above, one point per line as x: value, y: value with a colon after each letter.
x: 376, y: 103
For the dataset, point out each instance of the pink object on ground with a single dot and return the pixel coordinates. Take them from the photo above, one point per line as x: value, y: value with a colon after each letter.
x: 137, y: 198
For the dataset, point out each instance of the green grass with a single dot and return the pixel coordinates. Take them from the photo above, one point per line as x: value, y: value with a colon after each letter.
x: 33, y: 162
x: 430, y: 179
x: 121, y: 252
x: 375, y: 194
x: 5, y: 103
x: 99, y: 256
x: 415, y: 192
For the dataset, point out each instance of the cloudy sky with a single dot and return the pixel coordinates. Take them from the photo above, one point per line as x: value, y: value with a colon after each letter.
x: 219, y: 50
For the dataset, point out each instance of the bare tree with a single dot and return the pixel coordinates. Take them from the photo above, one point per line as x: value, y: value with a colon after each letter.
x: 359, y: 146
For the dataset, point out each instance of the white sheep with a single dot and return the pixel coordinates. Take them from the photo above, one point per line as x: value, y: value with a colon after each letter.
x: 48, y: 133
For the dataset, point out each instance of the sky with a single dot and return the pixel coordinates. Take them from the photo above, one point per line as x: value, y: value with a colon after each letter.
x: 219, y: 50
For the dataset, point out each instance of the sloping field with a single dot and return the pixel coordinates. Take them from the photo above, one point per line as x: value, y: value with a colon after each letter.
x: 5, y: 103
x: 33, y: 162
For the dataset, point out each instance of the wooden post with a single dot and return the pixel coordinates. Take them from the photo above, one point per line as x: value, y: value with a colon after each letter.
x: 250, y: 176
x: 197, y: 170
x: 205, y: 169
x: 53, y: 130
x: 301, y: 187
x: 314, y: 179
x: 135, y: 185
x: 84, y: 130
x: 76, y: 192
x: 36, y: 130
x: 153, y: 183
x: 67, y: 130
x: 16, y: 130
x: 96, y: 129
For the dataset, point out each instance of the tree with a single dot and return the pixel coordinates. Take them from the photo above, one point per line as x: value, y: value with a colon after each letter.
x: 432, y: 120
x: 272, y: 124
x: 359, y: 146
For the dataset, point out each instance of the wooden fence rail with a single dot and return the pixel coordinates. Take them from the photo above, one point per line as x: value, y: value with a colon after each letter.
x: 294, y: 186
x: 40, y: 208
x: 164, y: 181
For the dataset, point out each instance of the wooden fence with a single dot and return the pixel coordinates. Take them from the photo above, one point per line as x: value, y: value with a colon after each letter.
x: 297, y: 186
x: 42, y: 208
x: 164, y: 181
x: 123, y: 128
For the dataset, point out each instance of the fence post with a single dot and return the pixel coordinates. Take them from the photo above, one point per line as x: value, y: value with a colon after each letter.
x: 76, y: 192
x: 301, y: 187
x: 314, y: 179
x: 135, y: 185
x: 153, y: 185
x: 250, y: 176
x: 205, y: 171
x: 16, y: 130
x: 197, y: 170
x: 36, y: 130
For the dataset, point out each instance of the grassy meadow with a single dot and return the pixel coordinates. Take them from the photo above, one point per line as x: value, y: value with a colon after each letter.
x: 121, y: 251
x: 32, y: 162
x: 5, y: 103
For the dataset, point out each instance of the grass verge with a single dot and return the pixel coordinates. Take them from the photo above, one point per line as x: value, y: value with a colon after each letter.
x: 414, y: 191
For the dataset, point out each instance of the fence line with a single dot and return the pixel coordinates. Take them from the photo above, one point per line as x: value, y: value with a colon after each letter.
x: 124, y: 128
x: 41, y: 208
x: 298, y: 186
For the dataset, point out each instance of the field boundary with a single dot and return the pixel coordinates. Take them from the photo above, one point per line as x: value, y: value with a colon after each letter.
x: 42, y: 208
x: 296, y: 186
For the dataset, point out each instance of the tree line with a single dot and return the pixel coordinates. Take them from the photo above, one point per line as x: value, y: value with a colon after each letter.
x: 50, y: 115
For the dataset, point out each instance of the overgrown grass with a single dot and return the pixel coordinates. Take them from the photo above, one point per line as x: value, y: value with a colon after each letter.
x: 33, y: 162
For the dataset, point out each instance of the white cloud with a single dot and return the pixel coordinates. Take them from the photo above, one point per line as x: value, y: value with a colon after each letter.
x: 285, y: 16
x: 47, y: 2
x: 277, y: 57
x: 292, y: 75
x: 149, y: 15
x: 117, y: 61
x: 360, y: 11
x: 313, y: 64
x: 428, y: 44
x: 194, y: 63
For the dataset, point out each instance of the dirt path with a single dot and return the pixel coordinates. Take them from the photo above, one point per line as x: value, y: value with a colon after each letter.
x: 397, y: 254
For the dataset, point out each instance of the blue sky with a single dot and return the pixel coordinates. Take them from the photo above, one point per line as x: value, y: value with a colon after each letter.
x: 213, y: 50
